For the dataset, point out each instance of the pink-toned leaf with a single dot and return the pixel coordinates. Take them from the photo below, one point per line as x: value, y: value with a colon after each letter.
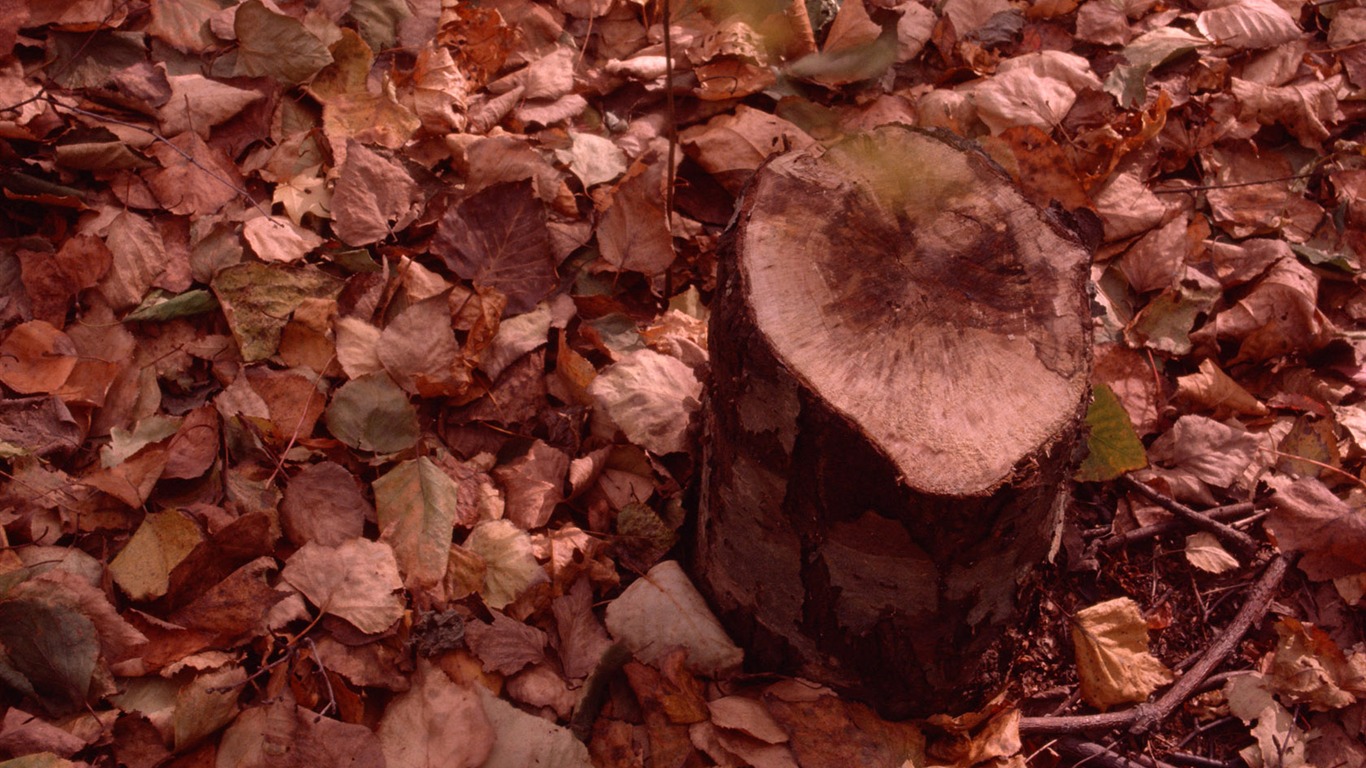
x: 436, y: 724
x: 533, y: 484
x: 357, y: 581
x: 1248, y: 24
x: 525, y: 740
x: 498, y: 238
x: 1214, y: 453
x: 651, y: 397
x: 1278, y: 315
x: 634, y: 233
x: 323, y: 503
x: 419, y: 351
x: 195, y: 179
x: 732, y: 145
x: 375, y: 196
x: 583, y: 639
x: 1310, y: 519
x: 139, y: 258
x: 506, y: 645
x: 276, y: 238
x: 198, y: 103
x: 282, y: 733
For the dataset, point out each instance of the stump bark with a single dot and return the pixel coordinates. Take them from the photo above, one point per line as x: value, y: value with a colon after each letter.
x: 901, y: 359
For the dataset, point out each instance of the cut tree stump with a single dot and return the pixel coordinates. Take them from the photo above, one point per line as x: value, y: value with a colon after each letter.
x: 901, y: 359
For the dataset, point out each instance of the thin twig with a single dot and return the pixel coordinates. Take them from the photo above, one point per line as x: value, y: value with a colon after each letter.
x: 1182, y: 758
x: 1224, y: 513
x: 1142, y: 717
x: 1229, y: 535
x: 1254, y: 608
x: 163, y: 140
x: 1097, y: 755
x: 1230, y: 185
x: 672, y: 114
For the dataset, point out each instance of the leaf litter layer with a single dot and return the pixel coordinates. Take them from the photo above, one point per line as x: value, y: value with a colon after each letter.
x: 352, y: 353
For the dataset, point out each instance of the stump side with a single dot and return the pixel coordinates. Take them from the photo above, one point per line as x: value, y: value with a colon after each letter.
x: 824, y: 543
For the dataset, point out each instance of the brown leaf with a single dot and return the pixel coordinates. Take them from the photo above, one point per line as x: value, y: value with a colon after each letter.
x: 375, y: 196
x: 39, y: 425
x: 324, y: 503
x: 194, y: 179
x: 1214, y: 453
x: 142, y: 569
x: 36, y: 358
x: 105, y: 350
x: 436, y: 724
x: 731, y: 146
x: 1212, y: 389
x: 533, y: 484
x: 195, y: 445
x: 498, y: 238
x: 582, y: 637
x: 283, y: 734
x: 234, y: 608
x: 53, y: 280
x: 356, y: 581
x: 198, y: 103
x: 139, y: 258
x: 634, y: 231
x: 506, y: 645
x: 1278, y: 315
x: 419, y: 351
x: 1308, y: 518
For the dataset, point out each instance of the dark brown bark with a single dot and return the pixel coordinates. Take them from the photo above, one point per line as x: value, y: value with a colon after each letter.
x: 901, y: 353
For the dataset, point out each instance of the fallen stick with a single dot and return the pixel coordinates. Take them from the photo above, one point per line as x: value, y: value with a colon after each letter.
x: 1227, y: 534
x: 1222, y: 514
x: 1142, y: 718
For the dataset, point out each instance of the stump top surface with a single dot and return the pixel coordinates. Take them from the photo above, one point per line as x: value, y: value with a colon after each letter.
x: 909, y: 283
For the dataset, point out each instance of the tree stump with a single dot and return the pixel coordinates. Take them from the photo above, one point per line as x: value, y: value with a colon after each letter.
x: 901, y: 360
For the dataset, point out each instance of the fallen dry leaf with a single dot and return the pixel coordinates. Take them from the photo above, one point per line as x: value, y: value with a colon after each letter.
x: 662, y: 610
x: 357, y: 580
x: 1309, y: 518
x: 1113, y: 662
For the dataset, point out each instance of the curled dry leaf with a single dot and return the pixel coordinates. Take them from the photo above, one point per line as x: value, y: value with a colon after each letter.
x: 1212, y: 389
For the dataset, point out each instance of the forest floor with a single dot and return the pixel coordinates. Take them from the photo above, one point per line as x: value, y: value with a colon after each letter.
x: 352, y: 353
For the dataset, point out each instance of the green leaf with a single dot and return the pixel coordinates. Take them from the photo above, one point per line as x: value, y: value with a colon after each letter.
x: 160, y: 306
x: 372, y: 413
x: 1114, y: 446
x: 643, y: 537
x: 415, y: 505
x: 258, y: 301
x: 1127, y: 82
